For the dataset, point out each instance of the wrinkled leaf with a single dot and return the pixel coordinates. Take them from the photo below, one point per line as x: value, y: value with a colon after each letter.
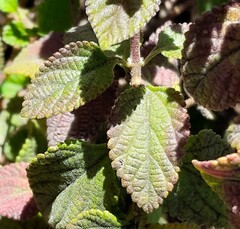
x: 76, y: 74
x: 12, y: 85
x: 95, y: 219
x: 222, y: 175
x: 66, y: 179
x: 114, y: 21
x: 8, y: 6
x: 233, y: 135
x: 31, y: 57
x: 16, y: 196
x: 149, y: 127
x: 15, y: 34
x: 192, y: 199
x: 211, y: 57
x: 55, y: 15
x: 83, y: 123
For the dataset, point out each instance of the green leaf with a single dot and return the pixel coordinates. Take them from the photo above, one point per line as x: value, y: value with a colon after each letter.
x: 211, y: 56
x: 15, y: 34
x: 149, y: 128
x: 192, y: 200
x: 55, y: 15
x: 30, y: 58
x: 1, y: 55
x: 12, y: 85
x: 73, y: 178
x: 8, y: 6
x: 114, y: 21
x: 28, y: 150
x: 170, y: 42
x: 76, y: 74
x: 233, y: 135
x: 223, y: 176
x: 95, y: 219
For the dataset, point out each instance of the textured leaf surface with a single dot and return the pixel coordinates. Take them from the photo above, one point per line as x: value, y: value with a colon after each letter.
x: 31, y: 57
x: 95, y: 219
x: 233, y: 135
x: 149, y: 127
x: 223, y: 176
x: 8, y: 6
x: 76, y: 74
x: 16, y: 196
x: 83, y: 123
x: 114, y: 21
x: 210, y: 58
x: 192, y: 199
x: 15, y: 34
x: 66, y: 179
x: 28, y: 150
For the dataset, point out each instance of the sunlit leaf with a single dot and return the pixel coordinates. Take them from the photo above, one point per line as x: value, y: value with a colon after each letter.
x: 114, y: 21
x: 31, y: 57
x: 149, y: 128
x: 66, y: 179
x: 192, y: 199
x: 223, y: 176
x: 211, y: 57
x: 28, y: 150
x: 16, y: 199
x: 83, y: 123
x: 8, y: 6
x: 233, y: 135
x: 15, y: 34
x: 76, y: 74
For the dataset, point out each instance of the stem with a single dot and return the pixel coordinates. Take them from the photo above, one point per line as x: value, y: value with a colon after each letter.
x: 136, y: 60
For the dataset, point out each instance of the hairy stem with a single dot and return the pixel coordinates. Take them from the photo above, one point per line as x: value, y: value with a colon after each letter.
x: 136, y: 60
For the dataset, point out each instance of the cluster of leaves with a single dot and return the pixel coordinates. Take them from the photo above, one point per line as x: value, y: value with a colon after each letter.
x: 112, y: 104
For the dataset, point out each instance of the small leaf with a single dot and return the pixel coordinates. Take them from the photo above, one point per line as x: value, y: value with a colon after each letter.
x: 83, y: 123
x: 12, y: 85
x: 31, y: 57
x: 51, y: 16
x: 233, y: 135
x: 95, y: 219
x: 210, y: 58
x: 66, y: 179
x: 15, y: 34
x: 76, y: 74
x: 16, y: 196
x: 192, y: 200
x: 114, y: 21
x: 28, y: 150
x: 8, y: 6
x: 170, y: 41
x: 223, y: 176
x: 149, y: 127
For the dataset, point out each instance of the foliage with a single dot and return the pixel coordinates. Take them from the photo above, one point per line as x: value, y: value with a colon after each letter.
x: 112, y: 148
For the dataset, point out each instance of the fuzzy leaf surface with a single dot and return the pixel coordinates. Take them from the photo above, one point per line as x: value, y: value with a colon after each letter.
x: 210, y: 58
x: 76, y: 74
x: 71, y: 175
x: 149, y: 127
x: 223, y: 176
x: 114, y: 21
x: 192, y: 199
x: 16, y: 196
x: 31, y: 57
x: 84, y: 122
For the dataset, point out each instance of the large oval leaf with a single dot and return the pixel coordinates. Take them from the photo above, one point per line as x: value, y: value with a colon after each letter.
x: 149, y: 127
x: 114, y: 21
x: 76, y: 74
x: 211, y: 58
x: 72, y: 179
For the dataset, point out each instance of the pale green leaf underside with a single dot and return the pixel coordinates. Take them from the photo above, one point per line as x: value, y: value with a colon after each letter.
x: 76, y: 74
x: 148, y: 124
x: 95, y: 219
x: 71, y: 179
x: 114, y: 21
